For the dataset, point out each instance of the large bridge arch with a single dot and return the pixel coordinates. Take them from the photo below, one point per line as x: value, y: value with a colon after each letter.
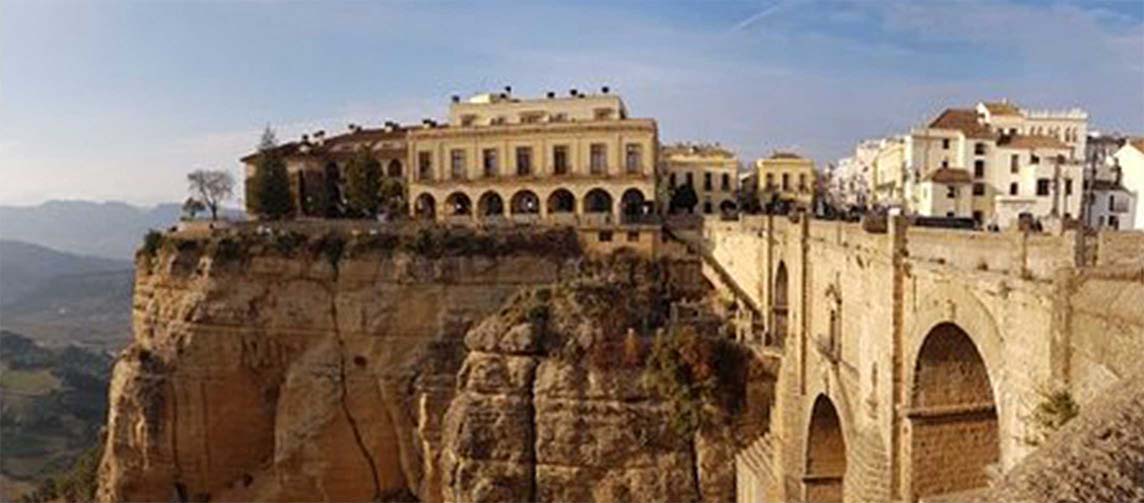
x: 780, y: 304
x: 954, y: 406
x: 826, y: 454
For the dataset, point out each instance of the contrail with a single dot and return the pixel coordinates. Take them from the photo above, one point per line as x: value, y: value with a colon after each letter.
x: 746, y: 23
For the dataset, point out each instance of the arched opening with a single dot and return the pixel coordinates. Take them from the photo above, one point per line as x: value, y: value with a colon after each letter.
x: 825, y: 453
x: 779, y: 307
x: 597, y: 201
x: 458, y: 204
x: 394, y: 168
x: 525, y: 202
x: 490, y: 205
x: 728, y: 207
x: 425, y: 207
x: 632, y: 205
x: 561, y: 201
x: 953, y: 417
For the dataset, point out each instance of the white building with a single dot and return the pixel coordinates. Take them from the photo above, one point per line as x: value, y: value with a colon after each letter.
x: 1121, y: 205
x: 1013, y: 163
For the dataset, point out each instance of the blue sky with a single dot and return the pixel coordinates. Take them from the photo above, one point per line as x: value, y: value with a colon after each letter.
x: 117, y: 100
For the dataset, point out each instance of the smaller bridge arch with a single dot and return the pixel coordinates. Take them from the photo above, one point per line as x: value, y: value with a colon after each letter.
x: 826, y: 454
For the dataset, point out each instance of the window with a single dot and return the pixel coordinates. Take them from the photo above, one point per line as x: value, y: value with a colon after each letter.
x: 1013, y: 160
x: 633, y: 236
x: 1068, y: 186
x: 770, y: 181
x: 690, y: 179
x: 1111, y: 202
x: 602, y: 114
x: 706, y: 181
x: 950, y: 214
x: 560, y: 159
x: 531, y: 117
x: 725, y: 183
x: 468, y: 119
x: 945, y: 163
x: 558, y: 117
x: 523, y: 161
x: 605, y: 236
x: 978, y: 217
x: 457, y: 164
x: 671, y: 180
x: 786, y: 181
x: 979, y: 148
x: 496, y: 121
x: 802, y: 182
x: 633, y: 157
x: 425, y: 165
x: 598, y: 158
x: 490, y: 162
x: 979, y: 169
x: 979, y: 189
x: 945, y: 143
x: 1033, y: 159
x: 1042, y: 186
x: 707, y: 207
x: 951, y: 192
x: 1013, y: 189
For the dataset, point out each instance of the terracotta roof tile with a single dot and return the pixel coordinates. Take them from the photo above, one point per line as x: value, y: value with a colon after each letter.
x: 949, y: 175
x: 1002, y: 108
x: 1137, y: 143
x: 784, y: 155
x: 1031, y: 141
x: 964, y: 120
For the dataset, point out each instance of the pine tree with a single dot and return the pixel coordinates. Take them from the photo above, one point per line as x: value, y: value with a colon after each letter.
x: 268, y: 191
x: 363, y: 184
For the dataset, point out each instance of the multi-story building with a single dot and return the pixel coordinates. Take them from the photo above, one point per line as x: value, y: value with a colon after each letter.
x: 711, y: 170
x: 850, y: 179
x: 573, y: 159
x: 1124, y: 201
x: 787, y: 177
x: 1015, y: 164
x: 316, y: 164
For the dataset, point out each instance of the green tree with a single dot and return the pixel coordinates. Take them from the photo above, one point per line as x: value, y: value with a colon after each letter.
x: 392, y: 198
x: 684, y: 198
x: 363, y: 184
x: 268, y: 192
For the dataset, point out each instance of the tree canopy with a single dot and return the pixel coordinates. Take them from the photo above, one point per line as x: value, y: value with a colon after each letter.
x: 210, y: 188
x: 363, y: 184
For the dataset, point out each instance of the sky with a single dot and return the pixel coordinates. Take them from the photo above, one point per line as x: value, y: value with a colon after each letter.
x: 118, y: 100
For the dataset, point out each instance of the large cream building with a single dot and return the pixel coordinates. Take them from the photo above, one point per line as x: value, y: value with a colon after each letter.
x: 995, y: 163
x: 787, y: 176
x: 576, y: 159
x: 711, y: 170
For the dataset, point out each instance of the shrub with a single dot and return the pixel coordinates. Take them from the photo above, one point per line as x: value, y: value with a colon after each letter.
x: 152, y: 242
x: 332, y: 246
x: 286, y: 243
x: 227, y: 249
x: 1056, y: 409
x: 701, y: 379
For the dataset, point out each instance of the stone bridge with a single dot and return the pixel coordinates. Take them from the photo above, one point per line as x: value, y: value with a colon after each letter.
x: 911, y: 360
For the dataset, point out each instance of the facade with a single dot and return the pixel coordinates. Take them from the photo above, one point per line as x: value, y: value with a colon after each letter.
x: 711, y: 170
x: 1022, y: 164
x: 850, y: 179
x: 316, y: 164
x: 787, y: 177
x: 574, y: 160
x: 1128, y: 168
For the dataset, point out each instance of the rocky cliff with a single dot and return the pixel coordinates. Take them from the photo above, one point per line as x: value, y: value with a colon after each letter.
x: 284, y: 365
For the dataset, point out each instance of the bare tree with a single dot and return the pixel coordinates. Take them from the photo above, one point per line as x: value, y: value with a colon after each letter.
x: 211, y: 187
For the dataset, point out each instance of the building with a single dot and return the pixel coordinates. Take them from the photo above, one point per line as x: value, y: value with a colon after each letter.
x: 1124, y: 201
x: 711, y: 170
x: 1020, y: 165
x: 850, y: 179
x: 316, y: 164
x: 575, y: 159
x: 786, y: 177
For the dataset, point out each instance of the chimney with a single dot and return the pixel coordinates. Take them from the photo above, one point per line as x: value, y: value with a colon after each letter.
x: 551, y: 95
x: 572, y: 92
x: 508, y: 89
x: 305, y: 138
x: 456, y: 98
x: 604, y: 89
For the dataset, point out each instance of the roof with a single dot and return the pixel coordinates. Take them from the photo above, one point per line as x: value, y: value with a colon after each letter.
x: 696, y: 149
x: 1107, y: 185
x: 1001, y: 108
x: 1031, y: 141
x: 355, y: 136
x: 948, y: 175
x: 784, y: 155
x: 964, y: 120
x: 1137, y: 143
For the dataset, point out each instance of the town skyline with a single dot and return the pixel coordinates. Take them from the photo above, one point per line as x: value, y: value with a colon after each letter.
x: 127, y: 100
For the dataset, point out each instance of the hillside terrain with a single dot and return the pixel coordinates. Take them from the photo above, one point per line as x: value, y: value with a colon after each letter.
x: 53, y: 402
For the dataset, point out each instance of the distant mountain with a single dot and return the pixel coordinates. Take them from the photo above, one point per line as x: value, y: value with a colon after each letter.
x: 63, y: 298
x: 103, y: 229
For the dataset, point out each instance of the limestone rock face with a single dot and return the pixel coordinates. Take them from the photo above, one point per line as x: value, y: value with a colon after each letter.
x: 536, y: 421
x: 283, y: 379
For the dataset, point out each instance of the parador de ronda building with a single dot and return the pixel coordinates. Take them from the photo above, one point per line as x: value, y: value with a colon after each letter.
x: 577, y: 159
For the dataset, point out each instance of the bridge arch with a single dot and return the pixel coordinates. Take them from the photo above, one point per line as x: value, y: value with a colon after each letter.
x: 826, y: 455
x: 953, y: 414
